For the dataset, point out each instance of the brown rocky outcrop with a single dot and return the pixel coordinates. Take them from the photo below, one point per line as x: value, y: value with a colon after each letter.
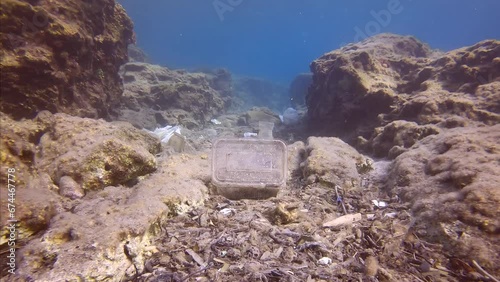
x: 157, y: 96
x: 85, y: 190
x: 452, y: 181
x: 333, y: 162
x: 95, y: 153
x: 437, y: 115
x: 388, y: 77
x: 62, y: 56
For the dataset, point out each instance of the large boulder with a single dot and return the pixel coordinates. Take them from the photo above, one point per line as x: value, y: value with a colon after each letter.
x: 452, y: 182
x: 62, y: 56
x: 108, y: 235
x: 333, y: 162
x: 90, y: 195
x: 255, y: 115
x: 95, y: 153
x: 157, y: 96
x: 436, y: 114
x: 388, y: 77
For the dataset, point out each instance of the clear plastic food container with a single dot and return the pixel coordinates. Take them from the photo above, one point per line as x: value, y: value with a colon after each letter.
x: 249, y: 168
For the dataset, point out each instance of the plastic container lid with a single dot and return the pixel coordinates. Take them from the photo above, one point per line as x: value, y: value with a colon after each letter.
x: 249, y: 168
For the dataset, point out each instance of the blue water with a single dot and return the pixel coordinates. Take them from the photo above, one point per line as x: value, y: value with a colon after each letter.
x: 276, y: 39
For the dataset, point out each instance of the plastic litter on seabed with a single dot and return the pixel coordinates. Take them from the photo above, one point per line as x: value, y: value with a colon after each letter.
x: 325, y: 261
x: 379, y: 204
x: 215, y: 121
x: 249, y: 134
x: 164, y: 133
x: 249, y: 168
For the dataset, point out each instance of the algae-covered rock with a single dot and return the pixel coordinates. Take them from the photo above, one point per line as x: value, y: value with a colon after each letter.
x: 35, y: 203
x: 334, y: 162
x: 109, y: 234
x: 399, y: 133
x: 451, y: 180
x: 156, y: 96
x: 62, y: 56
x: 95, y: 153
x: 18, y: 141
x: 257, y: 114
x: 364, y: 86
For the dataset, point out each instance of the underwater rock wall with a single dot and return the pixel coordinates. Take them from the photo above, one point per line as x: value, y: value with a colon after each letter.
x: 62, y: 56
x: 157, y: 96
x: 437, y: 116
x: 386, y: 78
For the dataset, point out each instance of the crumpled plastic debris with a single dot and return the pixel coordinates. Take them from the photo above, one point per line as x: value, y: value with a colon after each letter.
x: 164, y: 133
x: 379, y: 204
x: 215, y: 121
x: 227, y: 211
x: 391, y: 214
x: 249, y: 134
x: 325, y: 261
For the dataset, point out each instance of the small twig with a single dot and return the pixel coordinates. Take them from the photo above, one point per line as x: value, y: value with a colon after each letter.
x: 339, y: 198
x: 418, y: 279
x: 444, y: 269
x: 371, y: 241
x: 483, y: 272
x: 197, y: 272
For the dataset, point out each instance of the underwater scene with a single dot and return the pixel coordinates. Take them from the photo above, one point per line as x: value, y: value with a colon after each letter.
x: 249, y: 140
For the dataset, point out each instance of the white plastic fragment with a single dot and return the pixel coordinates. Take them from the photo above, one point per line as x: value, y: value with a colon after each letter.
x: 391, y: 214
x: 343, y: 220
x: 215, y: 121
x: 379, y: 204
x: 227, y: 211
x: 325, y: 261
x: 164, y: 133
x: 249, y: 134
x: 370, y: 216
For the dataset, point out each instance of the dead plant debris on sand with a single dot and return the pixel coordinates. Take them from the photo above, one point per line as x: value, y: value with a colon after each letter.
x: 285, y: 239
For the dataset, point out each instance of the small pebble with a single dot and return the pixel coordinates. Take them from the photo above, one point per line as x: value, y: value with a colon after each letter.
x: 371, y: 266
x: 425, y: 267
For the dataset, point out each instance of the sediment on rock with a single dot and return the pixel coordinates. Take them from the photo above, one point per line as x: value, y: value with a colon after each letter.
x: 56, y: 59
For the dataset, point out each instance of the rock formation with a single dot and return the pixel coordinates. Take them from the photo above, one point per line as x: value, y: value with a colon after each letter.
x: 452, y: 181
x: 387, y: 77
x: 436, y: 114
x: 105, y: 201
x: 136, y: 54
x: 157, y: 96
x: 299, y: 88
x: 62, y: 56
